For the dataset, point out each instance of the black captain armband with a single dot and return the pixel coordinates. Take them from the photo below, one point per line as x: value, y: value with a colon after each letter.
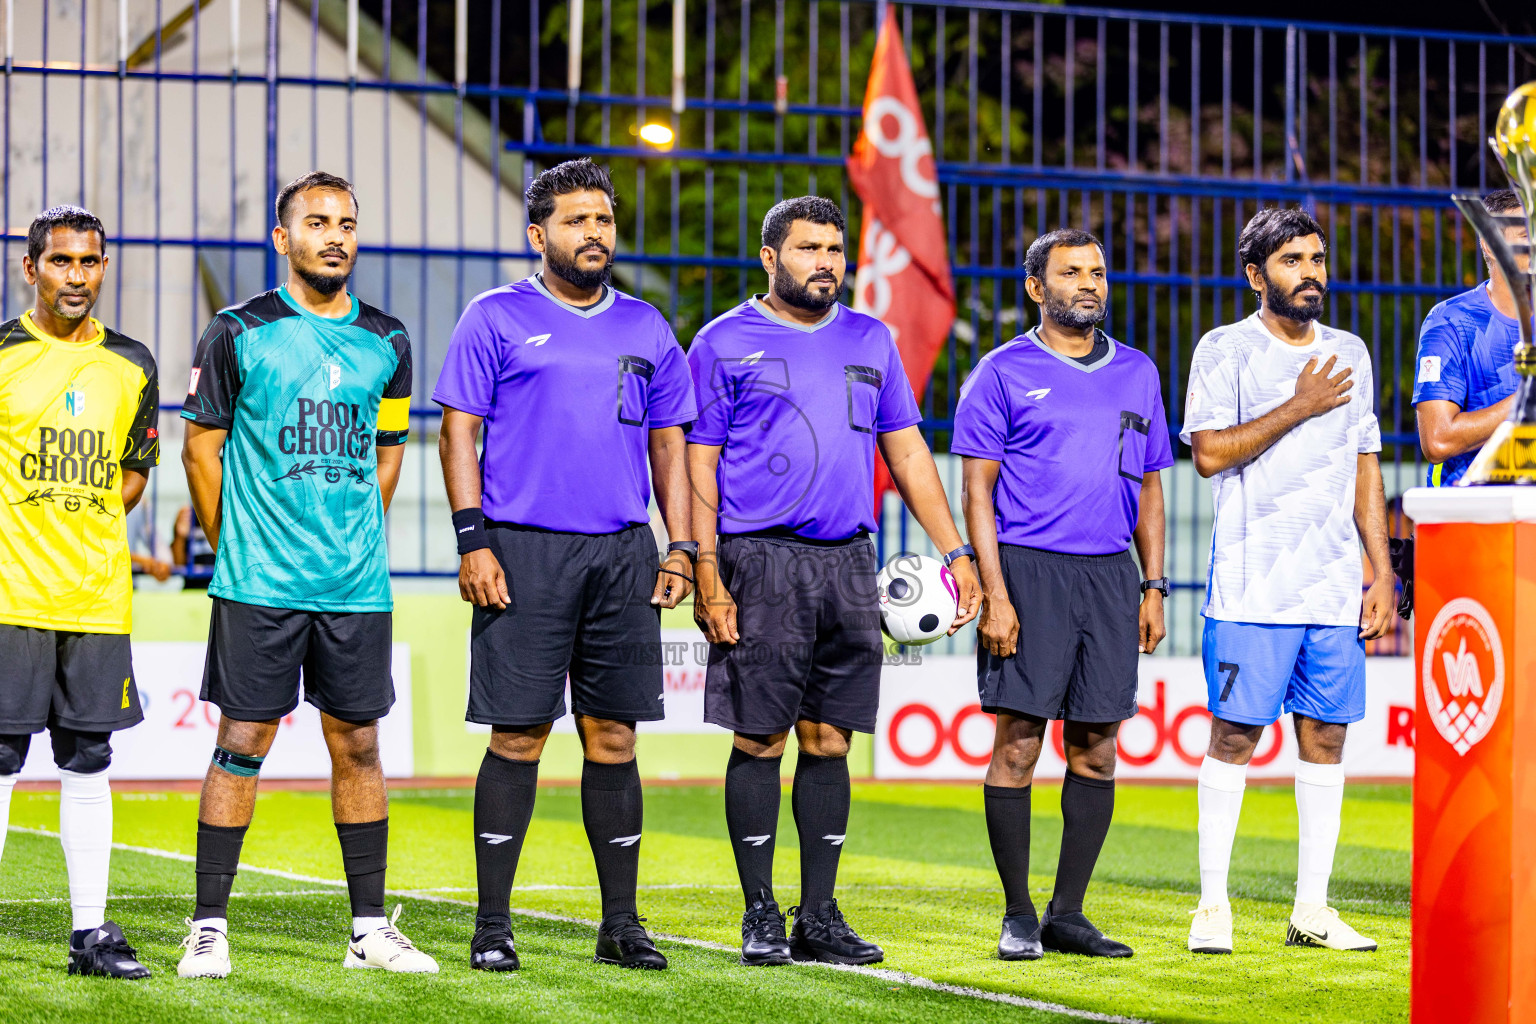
x: 469, y: 530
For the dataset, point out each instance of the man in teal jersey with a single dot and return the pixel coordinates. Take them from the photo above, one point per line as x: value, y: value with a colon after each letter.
x: 296, y: 413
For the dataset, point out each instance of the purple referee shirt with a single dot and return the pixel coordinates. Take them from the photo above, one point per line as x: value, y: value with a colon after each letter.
x: 1074, y: 441
x: 797, y: 410
x: 569, y: 395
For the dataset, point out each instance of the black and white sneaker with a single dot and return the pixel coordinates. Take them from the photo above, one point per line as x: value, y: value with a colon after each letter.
x: 104, y: 953
x: 623, y: 942
x: 763, y: 941
x: 491, y: 949
x: 822, y: 934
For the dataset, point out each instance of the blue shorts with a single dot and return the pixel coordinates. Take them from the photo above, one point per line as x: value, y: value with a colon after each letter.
x: 1255, y: 672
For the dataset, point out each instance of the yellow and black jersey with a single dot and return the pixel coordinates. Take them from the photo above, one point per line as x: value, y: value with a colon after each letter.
x: 73, y: 417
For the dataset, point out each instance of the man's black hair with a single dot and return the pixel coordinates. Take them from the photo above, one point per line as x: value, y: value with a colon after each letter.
x: 561, y: 180
x: 74, y: 217
x: 816, y: 209
x: 1502, y: 200
x: 1039, y: 254
x: 1270, y: 229
x: 314, y: 179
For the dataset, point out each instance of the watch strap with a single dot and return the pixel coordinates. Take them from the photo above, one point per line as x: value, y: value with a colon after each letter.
x: 687, y: 547
x: 963, y: 551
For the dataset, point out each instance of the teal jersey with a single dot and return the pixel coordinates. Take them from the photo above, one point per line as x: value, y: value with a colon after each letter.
x: 307, y: 400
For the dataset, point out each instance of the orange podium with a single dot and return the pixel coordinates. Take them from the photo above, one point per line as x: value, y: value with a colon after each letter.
x: 1474, y: 790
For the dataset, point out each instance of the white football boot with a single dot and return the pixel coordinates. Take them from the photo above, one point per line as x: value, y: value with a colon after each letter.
x: 207, y: 953
x: 1316, y: 924
x: 387, y: 949
x: 1211, y: 929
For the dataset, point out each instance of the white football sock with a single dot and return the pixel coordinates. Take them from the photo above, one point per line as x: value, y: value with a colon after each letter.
x: 1319, y: 805
x: 85, y: 829
x: 1220, y: 795
x: 363, y: 925
x: 7, y: 783
x: 218, y: 924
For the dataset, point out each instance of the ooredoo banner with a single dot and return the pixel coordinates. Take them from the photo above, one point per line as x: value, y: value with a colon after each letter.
x: 177, y: 735
x: 931, y: 726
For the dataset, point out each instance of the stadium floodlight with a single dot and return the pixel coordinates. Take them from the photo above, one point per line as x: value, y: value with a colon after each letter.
x: 658, y: 135
x: 1509, y: 457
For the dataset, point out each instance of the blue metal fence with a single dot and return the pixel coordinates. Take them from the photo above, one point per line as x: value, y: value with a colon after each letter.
x: 1161, y: 132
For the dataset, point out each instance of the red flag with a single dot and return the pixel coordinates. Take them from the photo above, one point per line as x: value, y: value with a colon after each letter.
x: 903, y: 272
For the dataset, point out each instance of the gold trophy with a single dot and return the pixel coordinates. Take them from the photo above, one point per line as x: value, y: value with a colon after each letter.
x: 1509, y: 457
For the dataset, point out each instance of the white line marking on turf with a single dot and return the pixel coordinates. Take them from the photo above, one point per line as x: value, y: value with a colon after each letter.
x: 177, y: 896
x: 882, y: 973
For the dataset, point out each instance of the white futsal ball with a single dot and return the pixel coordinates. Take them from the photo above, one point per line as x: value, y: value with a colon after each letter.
x: 919, y: 599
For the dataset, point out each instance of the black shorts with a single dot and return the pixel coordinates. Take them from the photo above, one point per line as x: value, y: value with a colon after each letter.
x: 255, y: 655
x: 809, y: 618
x: 81, y: 681
x: 1078, y: 634
x: 579, y: 606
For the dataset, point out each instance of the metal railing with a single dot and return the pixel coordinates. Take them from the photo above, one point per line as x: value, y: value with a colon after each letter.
x: 1161, y: 132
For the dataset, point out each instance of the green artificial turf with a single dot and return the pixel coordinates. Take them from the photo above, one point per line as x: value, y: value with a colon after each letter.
x: 916, y: 876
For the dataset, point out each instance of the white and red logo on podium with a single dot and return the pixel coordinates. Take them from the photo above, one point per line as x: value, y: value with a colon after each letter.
x: 1463, y: 673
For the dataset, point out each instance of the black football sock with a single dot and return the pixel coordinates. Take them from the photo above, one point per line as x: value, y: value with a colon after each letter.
x: 218, y: 858
x: 820, y: 800
x: 1087, y: 805
x: 612, y: 807
x: 1008, y: 831
x: 364, y: 856
x: 752, y: 817
x: 504, y: 794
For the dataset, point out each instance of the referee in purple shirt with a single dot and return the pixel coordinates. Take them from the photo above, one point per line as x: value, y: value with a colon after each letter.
x: 583, y: 394
x: 1063, y: 433
x: 795, y: 392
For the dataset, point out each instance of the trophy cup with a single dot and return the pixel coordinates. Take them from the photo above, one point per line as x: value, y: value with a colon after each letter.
x: 1509, y: 457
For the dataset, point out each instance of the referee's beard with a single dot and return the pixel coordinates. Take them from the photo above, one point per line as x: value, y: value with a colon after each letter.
x: 1066, y: 312
x: 564, y: 266
x: 800, y: 295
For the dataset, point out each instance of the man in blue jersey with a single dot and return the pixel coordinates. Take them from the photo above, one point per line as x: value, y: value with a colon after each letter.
x: 296, y: 413
x: 1465, y: 383
x: 795, y: 393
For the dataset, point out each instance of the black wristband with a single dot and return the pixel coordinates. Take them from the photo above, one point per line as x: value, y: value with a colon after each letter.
x: 687, y: 547
x: 469, y: 530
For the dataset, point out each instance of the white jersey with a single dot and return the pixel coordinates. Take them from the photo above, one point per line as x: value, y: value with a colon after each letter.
x: 1285, y: 549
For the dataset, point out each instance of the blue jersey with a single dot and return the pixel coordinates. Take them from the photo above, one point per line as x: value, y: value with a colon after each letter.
x: 1466, y: 356
x: 306, y: 400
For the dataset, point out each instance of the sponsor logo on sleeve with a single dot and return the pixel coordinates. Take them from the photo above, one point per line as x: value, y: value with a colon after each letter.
x: 1429, y: 370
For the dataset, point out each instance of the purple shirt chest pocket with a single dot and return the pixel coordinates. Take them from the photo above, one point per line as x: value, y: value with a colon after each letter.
x: 863, y: 387
x: 635, y: 373
x: 1131, y: 452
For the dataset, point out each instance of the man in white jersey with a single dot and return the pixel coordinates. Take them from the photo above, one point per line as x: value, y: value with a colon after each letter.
x: 1281, y: 417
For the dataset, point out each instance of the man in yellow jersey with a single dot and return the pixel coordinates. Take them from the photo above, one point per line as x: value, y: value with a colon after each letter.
x: 78, y: 410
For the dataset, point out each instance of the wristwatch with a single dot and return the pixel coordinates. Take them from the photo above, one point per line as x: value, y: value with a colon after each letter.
x: 963, y: 551
x: 687, y: 547
x: 1160, y: 585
